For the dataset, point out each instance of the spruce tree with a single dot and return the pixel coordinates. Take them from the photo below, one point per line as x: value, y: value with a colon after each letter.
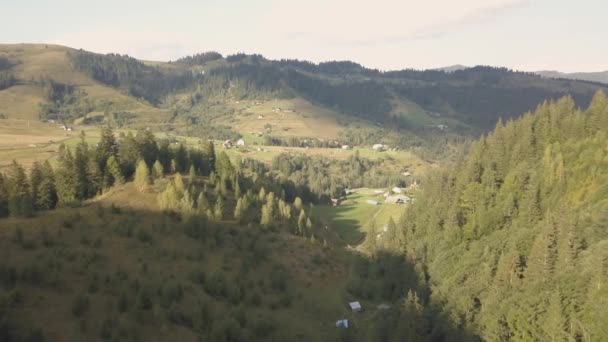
x: 169, y: 199
x: 65, y: 180
x: 20, y: 202
x: 142, y: 176
x: 209, y: 152
x: 158, y: 171
x: 114, y: 172
x: 191, y: 174
x: 36, y: 178
x: 105, y: 148
x: 46, y: 198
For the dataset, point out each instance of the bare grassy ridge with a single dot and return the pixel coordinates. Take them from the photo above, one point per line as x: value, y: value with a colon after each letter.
x: 31, y: 62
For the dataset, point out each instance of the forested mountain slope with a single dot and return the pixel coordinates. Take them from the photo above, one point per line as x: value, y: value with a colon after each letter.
x: 48, y: 81
x: 514, y: 238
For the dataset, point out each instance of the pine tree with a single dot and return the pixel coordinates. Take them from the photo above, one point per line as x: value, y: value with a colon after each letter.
x: 158, y: 171
x: 20, y: 202
x: 94, y: 178
x: 128, y: 153
x: 46, y: 196
x: 169, y: 199
x: 209, y: 151
x: 191, y: 174
x: 142, y: 176
x: 80, y: 169
x: 180, y: 187
x: 146, y: 144
x: 105, y: 148
x: 218, y: 209
x: 36, y: 178
x: 65, y: 180
x: 113, y: 172
x: 187, y: 207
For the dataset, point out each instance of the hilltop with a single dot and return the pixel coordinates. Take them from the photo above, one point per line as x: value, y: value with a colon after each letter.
x: 598, y: 77
x: 249, y: 94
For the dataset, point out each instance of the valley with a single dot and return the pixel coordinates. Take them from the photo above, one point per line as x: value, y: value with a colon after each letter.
x: 239, y: 198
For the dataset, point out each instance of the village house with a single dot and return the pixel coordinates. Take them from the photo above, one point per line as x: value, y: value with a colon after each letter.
x: 355, y: 306
x: 397, y: 199
x: 342, y: 323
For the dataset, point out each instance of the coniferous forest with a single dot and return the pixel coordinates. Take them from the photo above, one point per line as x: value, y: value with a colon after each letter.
x: 512, y: 240
x: 237, y: 198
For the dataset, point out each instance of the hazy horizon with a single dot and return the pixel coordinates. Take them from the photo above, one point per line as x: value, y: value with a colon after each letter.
x: 523, y: 35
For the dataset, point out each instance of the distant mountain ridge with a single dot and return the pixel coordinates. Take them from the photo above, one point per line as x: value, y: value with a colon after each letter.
x: 600, y: 76
x: 60, y: 83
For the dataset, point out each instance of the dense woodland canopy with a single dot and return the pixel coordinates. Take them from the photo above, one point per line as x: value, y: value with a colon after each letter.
x: 140, y: 80
x: 476, y: 97
x: 513, y: 239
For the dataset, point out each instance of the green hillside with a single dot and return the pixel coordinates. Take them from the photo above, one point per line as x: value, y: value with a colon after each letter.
x: 513, y: 239
x: 229, y: 96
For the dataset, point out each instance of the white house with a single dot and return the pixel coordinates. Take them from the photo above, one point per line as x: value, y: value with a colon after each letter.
x: 355, y: 306
x: 240, y: 142
x: 342, y: 323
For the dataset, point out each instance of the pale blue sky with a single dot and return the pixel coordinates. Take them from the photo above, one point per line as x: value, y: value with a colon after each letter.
x: 563, y: 35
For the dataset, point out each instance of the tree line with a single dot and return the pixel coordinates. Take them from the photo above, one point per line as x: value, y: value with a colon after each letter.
x: 87, y: 171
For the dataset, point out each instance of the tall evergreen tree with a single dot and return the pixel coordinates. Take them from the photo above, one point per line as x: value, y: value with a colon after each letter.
x: 142, y: 176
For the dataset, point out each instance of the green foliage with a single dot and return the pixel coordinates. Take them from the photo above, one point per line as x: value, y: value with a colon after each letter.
x: 510, y: 233
x: 142, y: 176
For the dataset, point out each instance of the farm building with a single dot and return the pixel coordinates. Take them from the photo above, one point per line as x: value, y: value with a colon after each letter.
x: 355, y: 306
x: 342, y: 323
x: 372, y: 202
x: 240, y: 142
x: 397, y: 199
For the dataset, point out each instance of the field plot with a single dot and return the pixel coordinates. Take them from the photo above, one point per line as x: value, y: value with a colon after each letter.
x: 352, y: 218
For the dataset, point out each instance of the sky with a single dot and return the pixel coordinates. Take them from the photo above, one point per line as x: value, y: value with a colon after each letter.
x: 530, y: 35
